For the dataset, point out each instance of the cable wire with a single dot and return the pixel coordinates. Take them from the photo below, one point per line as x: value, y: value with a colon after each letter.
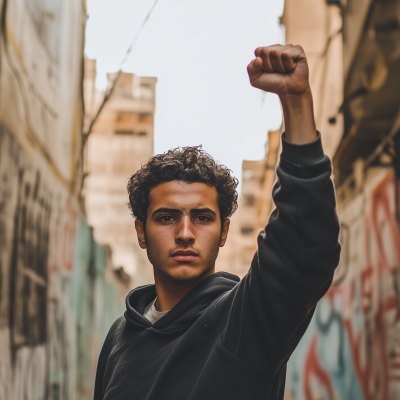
x: 110, y: 91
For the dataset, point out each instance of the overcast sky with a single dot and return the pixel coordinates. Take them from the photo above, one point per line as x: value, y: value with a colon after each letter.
x: 199, y: 51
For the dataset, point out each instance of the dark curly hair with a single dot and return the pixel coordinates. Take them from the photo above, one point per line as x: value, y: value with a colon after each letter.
x: 188, y: 164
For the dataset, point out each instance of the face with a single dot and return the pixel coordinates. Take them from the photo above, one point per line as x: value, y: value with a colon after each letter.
x: 183, y: 231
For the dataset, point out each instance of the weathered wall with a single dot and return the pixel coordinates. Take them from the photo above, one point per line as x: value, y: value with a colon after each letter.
x: 56, y: 303
x: 57, y: 295
x: 351, y: 351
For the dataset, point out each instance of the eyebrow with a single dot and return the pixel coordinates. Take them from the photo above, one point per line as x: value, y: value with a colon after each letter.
x: 176, y: 211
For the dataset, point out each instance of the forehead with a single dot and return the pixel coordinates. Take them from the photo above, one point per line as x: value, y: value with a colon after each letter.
x: 182, y: 195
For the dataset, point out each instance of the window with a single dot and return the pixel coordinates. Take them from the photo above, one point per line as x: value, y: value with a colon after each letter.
x: 124, y: 132
x: 247, y: 174
x: 130, y: 132
x: 249, y: 200
x: 125, y: 117
x: 247, y: 230
x: 145, y: 117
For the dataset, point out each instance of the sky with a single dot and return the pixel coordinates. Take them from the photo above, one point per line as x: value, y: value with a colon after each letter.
x: 199, y: 51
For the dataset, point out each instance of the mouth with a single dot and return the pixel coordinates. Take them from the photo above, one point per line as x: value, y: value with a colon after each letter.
x: 184, y: 255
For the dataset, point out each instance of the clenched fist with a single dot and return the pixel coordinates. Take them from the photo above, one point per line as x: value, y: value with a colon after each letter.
x: 283, y: 70
x: 280, y: 69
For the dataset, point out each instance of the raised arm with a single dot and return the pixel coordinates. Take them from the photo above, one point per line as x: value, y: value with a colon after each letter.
x: 298, y: 250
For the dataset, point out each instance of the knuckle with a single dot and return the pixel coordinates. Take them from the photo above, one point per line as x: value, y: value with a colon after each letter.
x: 274, y: 53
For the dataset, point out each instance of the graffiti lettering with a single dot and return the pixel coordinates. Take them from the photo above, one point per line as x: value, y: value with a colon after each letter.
x: 352, y: 348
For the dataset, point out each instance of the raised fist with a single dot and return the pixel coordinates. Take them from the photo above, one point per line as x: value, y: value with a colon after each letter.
x: 280, y: 69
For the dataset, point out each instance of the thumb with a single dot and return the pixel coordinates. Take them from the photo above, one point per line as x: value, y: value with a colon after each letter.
x: 254, y: 69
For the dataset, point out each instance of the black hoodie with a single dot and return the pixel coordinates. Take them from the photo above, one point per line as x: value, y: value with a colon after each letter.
x: 231, y: 339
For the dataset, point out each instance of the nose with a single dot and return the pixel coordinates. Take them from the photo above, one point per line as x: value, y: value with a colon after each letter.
x: 185, y: 234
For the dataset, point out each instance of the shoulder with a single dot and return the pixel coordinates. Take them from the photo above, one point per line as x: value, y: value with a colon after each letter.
x: 116, y: 327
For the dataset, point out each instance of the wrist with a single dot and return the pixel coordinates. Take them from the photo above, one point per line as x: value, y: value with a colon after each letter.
x: 296, y: 100
x: 298, y: 115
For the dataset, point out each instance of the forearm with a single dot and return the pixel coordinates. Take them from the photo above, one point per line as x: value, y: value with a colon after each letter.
x: 298, y: 115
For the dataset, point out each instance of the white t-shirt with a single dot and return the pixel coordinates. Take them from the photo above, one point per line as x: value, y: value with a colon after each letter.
x: 151, y: 312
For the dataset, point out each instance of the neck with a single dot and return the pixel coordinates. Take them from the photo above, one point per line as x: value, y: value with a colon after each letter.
x: 171, y: 293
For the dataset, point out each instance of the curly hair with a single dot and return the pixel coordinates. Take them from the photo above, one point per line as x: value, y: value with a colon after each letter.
x: 188, y: 164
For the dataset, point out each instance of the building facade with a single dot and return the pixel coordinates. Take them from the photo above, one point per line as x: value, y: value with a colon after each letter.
x: 58, y: 294
x: 316, y: 25
x: 352, y: 349
x: 255, y: 205
x: 121, y: 140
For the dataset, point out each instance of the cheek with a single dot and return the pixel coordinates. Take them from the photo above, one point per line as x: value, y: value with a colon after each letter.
x: 208, y: 238
x: 159, y: 239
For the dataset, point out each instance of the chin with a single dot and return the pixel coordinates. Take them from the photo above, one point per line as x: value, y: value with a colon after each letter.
x: 186, y: 274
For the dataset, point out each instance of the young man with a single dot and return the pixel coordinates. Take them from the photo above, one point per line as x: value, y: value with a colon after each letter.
x: 201, y: 335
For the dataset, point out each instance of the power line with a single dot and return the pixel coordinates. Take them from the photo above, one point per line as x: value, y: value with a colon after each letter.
x: 109, y: 93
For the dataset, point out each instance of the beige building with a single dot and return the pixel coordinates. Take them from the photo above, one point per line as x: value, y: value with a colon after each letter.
x: 121, y: 139
x: 255, y: 205
x: 351, y: 349
x: 316, y: 25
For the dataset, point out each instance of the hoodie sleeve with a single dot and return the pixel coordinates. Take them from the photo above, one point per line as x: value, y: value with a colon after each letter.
x: 293, y: 267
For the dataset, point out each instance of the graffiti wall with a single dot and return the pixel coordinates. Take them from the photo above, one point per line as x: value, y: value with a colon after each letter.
x: 56, y: 303
x: 58, y: 294
x: 351, y: 350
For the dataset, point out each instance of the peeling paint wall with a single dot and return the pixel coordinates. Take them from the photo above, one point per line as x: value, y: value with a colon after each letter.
x: 56, y: 300
x: 351, y: 350
x: 58, y: 294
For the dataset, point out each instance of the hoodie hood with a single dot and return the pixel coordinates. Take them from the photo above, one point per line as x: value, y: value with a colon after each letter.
x: 186, y: 311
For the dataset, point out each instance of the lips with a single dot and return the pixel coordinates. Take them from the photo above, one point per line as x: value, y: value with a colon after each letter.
x: 184, y: 255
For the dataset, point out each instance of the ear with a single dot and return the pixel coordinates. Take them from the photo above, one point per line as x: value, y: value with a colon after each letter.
x: 141, y: 233
x: 224, y: 232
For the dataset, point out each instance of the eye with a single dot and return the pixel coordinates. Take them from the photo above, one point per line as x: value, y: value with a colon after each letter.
x: 203, y: 218
x: 166, y: 218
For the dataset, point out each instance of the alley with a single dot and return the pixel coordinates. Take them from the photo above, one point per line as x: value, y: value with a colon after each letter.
x: 73, y: 129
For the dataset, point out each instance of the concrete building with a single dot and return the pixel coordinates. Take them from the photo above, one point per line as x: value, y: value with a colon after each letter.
x: 120, y: 141
x: 58, y: 293
x: 316, y: 25
x: 229, y: 259
x: 255, y: 205
x: 351, y: 349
